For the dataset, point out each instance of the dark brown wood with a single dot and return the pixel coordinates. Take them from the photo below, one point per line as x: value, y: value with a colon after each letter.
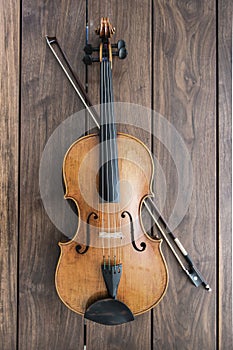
x: 9, y: 106
x: 225, y: 173
x: 47, y: 100
x: 184, y: 93
x: 184, y: 90
x: 131, y: 83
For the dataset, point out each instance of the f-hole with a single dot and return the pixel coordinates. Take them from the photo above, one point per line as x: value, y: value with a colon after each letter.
x: 142, y: 244
x: 79, y: 247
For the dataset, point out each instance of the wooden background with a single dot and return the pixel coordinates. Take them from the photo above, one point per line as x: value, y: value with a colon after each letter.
x: 179, y: 64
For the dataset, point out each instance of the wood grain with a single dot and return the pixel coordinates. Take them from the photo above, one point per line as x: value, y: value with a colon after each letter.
x: 184, y: 87
x: 131, y: 80
x: 184, y: 93
x: 225, y: 173
x: 47, y: 100
x: 78, y: 276
x: 9, y: 106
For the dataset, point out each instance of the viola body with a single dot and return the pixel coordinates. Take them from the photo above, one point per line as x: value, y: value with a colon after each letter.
x: 79, y: 281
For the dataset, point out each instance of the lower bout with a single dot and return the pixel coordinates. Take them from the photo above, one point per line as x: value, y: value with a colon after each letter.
x: 143, y: 283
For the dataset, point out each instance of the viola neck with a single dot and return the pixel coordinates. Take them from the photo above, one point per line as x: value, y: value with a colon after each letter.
x: 109, y: 174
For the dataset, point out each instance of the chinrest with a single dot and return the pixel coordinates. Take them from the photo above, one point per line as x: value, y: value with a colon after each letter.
x: 109, y: 312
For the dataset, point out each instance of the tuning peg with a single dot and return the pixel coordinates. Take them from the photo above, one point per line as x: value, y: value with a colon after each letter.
x: 122, y: 53
x: 120, y: 44
x: 88, y: 49
x: 87, y: 60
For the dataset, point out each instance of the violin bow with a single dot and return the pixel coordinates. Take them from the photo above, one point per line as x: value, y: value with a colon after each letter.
x: 191, y: 271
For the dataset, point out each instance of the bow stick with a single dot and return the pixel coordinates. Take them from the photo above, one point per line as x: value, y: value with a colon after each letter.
x: 191, y: 271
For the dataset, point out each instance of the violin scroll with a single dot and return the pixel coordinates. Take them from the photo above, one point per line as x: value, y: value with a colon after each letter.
x: 105, y: 32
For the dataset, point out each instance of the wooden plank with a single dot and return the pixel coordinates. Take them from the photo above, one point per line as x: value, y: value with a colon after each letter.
x: 9, y: 105
x: 225, y: 171
x: 47, y: 100
x: 184, y: 93
x: 132, y: 84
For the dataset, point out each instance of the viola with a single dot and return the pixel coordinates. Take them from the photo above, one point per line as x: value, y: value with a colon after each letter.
x: 112, y: 270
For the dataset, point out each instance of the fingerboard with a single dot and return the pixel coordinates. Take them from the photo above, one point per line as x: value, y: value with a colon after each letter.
x: 108, y: 172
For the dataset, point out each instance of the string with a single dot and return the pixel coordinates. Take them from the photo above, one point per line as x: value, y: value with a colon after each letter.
x: 109, y: 166
x: 117, y: 171
x: 114, y: 158
x: 107, y: 140
x: 101, y: 164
